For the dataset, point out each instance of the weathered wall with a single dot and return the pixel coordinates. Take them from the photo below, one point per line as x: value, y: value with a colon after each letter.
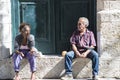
x: 108, y: 25
x: 5, y: 38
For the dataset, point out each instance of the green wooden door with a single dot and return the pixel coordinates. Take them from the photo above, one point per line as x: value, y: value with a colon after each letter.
x: 52, y: 21
x: 39, y: 15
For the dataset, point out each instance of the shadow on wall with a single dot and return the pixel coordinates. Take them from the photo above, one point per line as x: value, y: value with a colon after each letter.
x: 113, y: 48
x: 6, y: 71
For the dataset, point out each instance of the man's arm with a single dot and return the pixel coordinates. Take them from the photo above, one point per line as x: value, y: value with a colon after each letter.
x: 88, y: 51
x: 92, y: 45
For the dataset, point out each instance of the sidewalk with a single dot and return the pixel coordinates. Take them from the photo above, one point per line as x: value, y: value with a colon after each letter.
x: 79, y: 79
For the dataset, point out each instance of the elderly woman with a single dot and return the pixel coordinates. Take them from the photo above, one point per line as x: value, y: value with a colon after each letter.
x: 83, y: 43
x: 24, y: 48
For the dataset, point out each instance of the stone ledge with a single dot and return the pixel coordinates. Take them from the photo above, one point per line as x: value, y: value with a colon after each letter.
x: 52, y: 67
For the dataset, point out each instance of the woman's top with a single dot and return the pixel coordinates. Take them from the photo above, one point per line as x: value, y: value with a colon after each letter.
x: 18, y: 41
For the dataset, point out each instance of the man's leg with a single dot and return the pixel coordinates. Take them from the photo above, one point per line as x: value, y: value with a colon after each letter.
x: 32, y: 60
x: 16, y: 60
x: 93, y: 55
x: 68, y: 65
x: 68, y: 61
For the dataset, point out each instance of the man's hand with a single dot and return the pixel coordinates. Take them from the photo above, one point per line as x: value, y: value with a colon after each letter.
x: 84, y: 55
x: 78, y: 55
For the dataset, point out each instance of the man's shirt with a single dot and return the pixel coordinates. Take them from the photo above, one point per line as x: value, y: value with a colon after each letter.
x: 83, y: 42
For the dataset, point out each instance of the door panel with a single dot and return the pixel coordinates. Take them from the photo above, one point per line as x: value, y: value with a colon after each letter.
x: 37, y: 14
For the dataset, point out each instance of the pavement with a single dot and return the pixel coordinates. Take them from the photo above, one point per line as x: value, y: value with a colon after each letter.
x: 73, y: 79
x: 79, y: 79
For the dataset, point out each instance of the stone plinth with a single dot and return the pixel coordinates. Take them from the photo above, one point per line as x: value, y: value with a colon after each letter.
x: 52, y: 67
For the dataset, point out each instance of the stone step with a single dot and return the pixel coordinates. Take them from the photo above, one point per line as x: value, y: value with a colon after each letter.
x: 52, y: 67
x: 79, y: 79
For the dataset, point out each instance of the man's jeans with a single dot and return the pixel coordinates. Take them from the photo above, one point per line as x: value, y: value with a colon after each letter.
x: 31, y: 58
x: 93, y: 55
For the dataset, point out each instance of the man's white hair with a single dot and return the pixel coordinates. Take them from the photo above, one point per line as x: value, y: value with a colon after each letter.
x: 86, y: 21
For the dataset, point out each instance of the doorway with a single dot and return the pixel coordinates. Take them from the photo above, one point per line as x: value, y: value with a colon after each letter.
x: 52, y: 21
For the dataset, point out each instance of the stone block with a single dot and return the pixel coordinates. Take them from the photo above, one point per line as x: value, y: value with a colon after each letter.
x: 110, y: 38
x: 6, y: 33
x: 110, y: 67
x: 114, y: 15
x: 103, y: 16
x: 5, y: 1
x: 52, y: 67
x: 1, y: 27
x: 109, y: 15
x: 6, y: 69
x: 103, y: 5
x: 114, y: 5
x: 106, y: 4
x: 100, y: 5
x: 5, y: 8
x: 5, y: 50
x: 5, y: 19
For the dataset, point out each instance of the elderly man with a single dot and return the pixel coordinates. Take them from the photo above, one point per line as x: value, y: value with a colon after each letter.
x: 83, y: 43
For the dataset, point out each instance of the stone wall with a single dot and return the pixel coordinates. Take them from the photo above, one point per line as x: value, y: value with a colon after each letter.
x: 5, y: 38
x: 108, y: 27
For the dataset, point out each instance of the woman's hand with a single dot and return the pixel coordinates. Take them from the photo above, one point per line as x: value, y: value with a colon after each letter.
x: 18, y: 52
x: 21, y: 54
x: 32, y: 51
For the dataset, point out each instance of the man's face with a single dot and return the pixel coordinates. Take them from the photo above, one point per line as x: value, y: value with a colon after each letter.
x: 25, y: 31
x: 81, y: 25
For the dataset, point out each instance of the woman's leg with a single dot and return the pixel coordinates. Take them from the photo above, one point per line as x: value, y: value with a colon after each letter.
x: 16, y: 60
x: 32, y: 61
x: 33, y: 76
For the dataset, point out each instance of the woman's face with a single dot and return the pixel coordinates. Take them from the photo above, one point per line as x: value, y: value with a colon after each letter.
x: 25, y: 31
x: 81, y: 25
